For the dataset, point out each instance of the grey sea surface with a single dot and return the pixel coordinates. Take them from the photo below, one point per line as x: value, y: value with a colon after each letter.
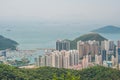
x: 44, y: 36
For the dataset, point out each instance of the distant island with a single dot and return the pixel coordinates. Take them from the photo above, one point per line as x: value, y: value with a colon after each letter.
x: 108, y: 29
x: 86, y: 37
x: 6, y: 43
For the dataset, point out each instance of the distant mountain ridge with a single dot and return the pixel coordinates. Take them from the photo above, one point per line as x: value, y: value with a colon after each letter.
x: 86, y: 37
x: 108, y: 29
x: 6, y: 43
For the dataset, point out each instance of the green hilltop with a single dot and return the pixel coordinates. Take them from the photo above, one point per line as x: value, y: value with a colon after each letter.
x: 8, y: 72
x: 6, y: 43
x: 86, y: 37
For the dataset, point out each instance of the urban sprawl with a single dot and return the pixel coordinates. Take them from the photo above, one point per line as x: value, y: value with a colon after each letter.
x: 88, y: 53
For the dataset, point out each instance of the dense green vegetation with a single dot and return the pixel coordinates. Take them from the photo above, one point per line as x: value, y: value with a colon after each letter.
x: 6, y: 43
x: 108, y: 29
x: 100, y: 73
x: 86, y: 37
x: 46, y: 73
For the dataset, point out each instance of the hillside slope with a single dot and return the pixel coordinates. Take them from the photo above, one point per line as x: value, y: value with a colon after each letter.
x: 6, y: 43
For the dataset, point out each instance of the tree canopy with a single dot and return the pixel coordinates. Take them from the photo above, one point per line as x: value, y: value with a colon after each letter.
x: 8, y: 72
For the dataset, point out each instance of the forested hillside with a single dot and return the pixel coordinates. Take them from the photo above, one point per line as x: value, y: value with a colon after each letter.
x: 46, y: 73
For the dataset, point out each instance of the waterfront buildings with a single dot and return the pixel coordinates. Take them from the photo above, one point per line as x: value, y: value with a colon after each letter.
x: 3, y: 53
x: 88, y: 53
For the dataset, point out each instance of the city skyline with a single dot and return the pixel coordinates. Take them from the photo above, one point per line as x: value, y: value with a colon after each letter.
x: 88, y: 53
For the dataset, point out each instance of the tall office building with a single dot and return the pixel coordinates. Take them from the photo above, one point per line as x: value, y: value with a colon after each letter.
x: 48, y: 60
x: 53, y: 59
x: 113, y: 60
x: 62, y: 45
x: 94, y: 49
x: 66, y: 60
x: 118, y: 52
x: 57, y: 60
x: 60, y: 60
x: 118, y: 55
x: 118, y: 44
x: 103, y: 55
x: 109, y: 47
x: 81, y: 48
x: 59, y: 45
x: 105, y: 45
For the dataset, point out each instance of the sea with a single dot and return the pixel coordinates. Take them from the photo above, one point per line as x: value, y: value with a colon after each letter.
x: 44, y: 36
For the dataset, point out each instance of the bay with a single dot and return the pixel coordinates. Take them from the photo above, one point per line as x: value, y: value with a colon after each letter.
x: 44, y: 36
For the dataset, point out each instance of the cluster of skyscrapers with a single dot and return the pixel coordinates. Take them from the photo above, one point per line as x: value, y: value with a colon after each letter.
x: 104, y: 53
x: 59, y: 59
x: 62, y: 45
x: 88, y: 53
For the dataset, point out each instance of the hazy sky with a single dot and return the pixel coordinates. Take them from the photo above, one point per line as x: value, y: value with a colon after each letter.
x: 101, y: 12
